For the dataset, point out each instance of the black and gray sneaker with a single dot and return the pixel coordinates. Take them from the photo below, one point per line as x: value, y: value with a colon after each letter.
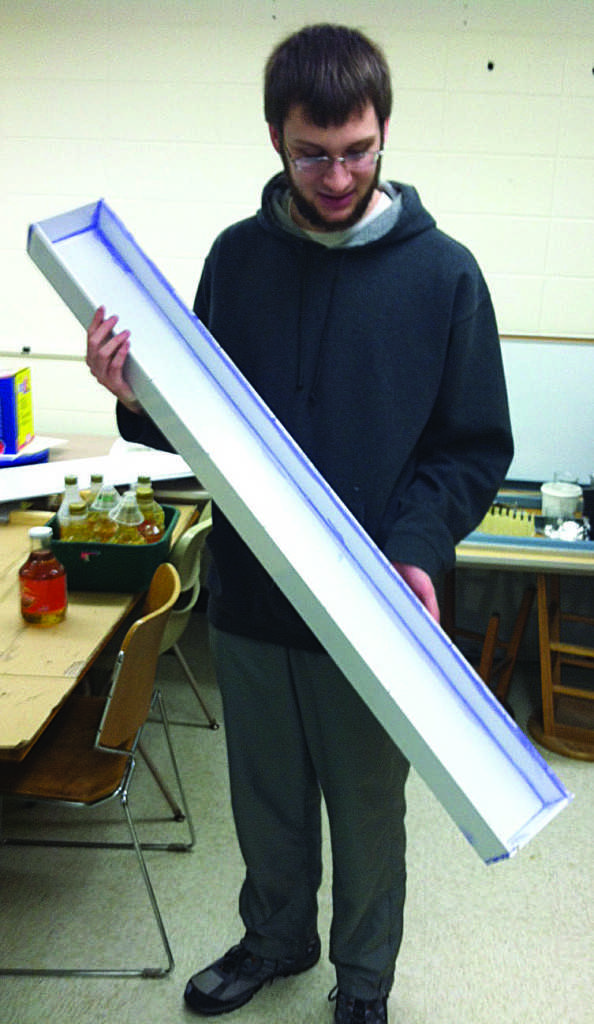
x: 230, y: 982
x: 359, y: 1011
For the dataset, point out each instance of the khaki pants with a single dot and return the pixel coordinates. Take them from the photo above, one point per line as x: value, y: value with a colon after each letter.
x: 297, y: 729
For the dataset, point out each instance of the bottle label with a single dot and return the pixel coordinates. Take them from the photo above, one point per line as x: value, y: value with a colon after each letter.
x: 42, y: 599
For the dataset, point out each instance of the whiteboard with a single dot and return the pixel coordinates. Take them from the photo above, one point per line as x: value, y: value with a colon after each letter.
x: 551, y: 396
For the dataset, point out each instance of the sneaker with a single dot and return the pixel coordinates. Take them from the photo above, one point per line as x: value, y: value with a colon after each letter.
x: 230, y: 982
x: 359, y: 1011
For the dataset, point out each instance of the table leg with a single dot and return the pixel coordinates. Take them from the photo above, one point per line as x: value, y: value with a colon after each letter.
x: 544, y: 644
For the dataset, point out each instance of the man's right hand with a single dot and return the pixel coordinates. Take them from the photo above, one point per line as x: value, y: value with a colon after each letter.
x: 106, y: 355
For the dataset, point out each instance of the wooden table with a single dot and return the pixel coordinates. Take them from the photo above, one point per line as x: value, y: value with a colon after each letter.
x: 40, y: 667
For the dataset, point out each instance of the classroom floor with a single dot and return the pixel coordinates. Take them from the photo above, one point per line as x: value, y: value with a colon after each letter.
x: 506, y: 944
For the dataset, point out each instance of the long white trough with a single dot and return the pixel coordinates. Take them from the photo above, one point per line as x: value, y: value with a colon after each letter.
x: 479, y: 764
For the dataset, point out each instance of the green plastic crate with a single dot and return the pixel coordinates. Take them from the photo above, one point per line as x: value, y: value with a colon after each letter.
x: 118, y: 568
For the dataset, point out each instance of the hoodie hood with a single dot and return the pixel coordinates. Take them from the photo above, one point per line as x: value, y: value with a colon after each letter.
x: 404, y: 217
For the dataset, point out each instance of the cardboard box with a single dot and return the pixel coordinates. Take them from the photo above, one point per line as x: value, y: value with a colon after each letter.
x: 115, y: 568
x: 16, y: 410
x: 478, y: 762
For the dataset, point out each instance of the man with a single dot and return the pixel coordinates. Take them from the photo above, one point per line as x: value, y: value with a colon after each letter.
x: 371, y: 336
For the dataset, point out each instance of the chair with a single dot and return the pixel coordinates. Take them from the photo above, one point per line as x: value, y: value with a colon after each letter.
x: 86, y: 756
x: 186, y: 556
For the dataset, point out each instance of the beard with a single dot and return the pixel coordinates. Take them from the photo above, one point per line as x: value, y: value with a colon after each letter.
x: 309, y: 212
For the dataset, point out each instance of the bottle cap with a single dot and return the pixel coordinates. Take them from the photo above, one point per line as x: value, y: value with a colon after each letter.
x: 70, y: 479
x: 76, y: 508
x: 41, y: 533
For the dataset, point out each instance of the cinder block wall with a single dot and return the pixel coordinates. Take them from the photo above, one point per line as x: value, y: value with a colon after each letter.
x: 156, y: 106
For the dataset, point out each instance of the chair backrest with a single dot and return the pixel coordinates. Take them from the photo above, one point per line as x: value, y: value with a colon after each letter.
x: 133, y: 678
x: 186, y: 553
x: 186, y: 556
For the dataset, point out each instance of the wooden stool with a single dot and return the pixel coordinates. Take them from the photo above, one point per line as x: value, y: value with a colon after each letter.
x: 567, y: 725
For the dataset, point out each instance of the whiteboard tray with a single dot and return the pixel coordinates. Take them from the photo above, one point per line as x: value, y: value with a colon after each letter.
x: 477, y: 761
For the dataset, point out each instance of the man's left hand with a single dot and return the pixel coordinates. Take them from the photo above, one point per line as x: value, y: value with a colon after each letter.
x: 420, y: 583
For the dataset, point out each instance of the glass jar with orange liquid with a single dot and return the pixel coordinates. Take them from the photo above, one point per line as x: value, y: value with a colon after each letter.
x: 42, y: 582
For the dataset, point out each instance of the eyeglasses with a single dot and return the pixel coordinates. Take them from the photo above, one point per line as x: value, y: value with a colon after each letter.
x: 317, y: 166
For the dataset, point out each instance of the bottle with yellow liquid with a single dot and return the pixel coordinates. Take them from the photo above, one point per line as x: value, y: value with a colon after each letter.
x: 42, y: 582
x: 153, y: 525
x: 71, y: 493
x: 76, y: 527
x: 102, y: 525
x: 94, y: 488
x: 128, y: 518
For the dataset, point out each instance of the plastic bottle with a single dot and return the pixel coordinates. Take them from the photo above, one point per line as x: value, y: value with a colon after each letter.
x: 142, y: 480
x: 128, y: 518
x: 102, y: 526
x: 153, y: 525
x: 42, y: 581
x: 95, y: 487
x: 76, y: 528
x: 71, y: 493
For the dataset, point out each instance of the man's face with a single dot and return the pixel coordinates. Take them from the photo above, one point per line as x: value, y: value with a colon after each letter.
x: 339, y: 196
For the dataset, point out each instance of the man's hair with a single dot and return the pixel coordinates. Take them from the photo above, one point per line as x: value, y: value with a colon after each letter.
x: 332, y: 71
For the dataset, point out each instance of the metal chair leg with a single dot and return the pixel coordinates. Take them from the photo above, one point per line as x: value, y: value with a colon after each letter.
x: 181, y: 813
x: 178, y: 814
x: 149, y: 972
x: 103, y: 972
x: 212, y: 722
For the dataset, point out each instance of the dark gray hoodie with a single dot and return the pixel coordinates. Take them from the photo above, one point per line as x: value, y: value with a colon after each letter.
x: 381, y: 358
